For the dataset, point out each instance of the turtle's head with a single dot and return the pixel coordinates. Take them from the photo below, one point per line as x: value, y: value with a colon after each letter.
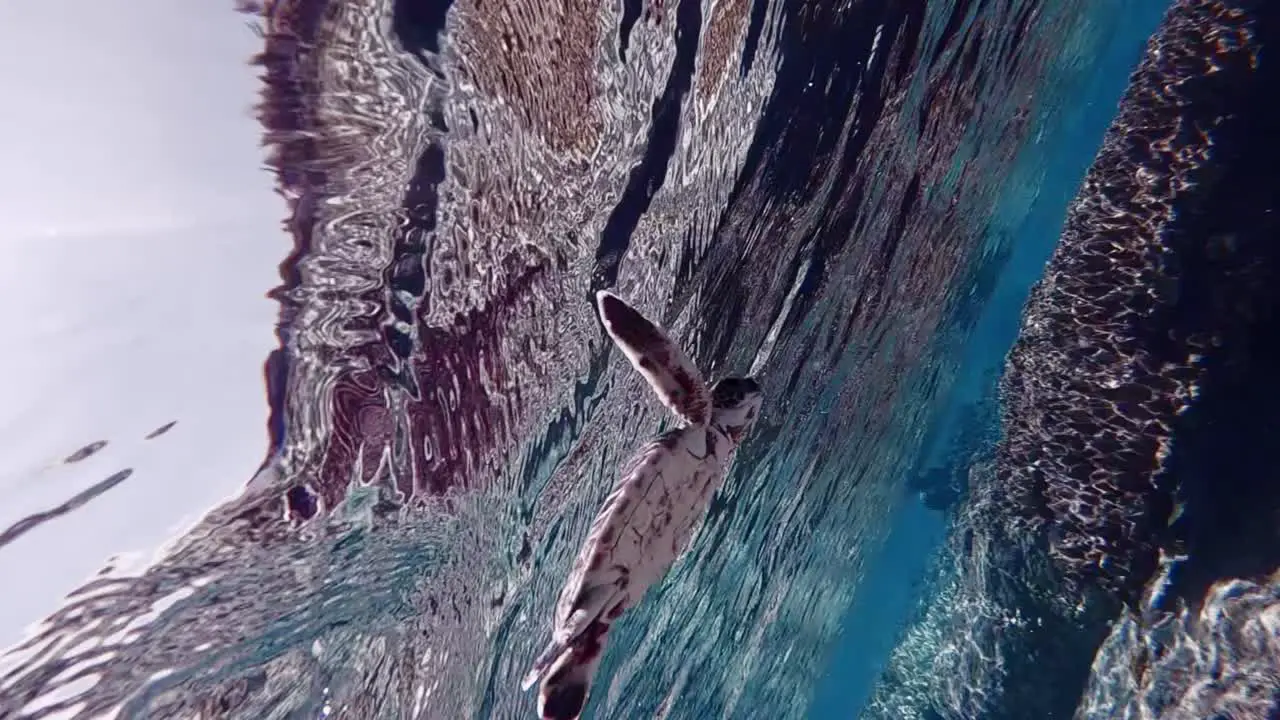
x: 735, y: 405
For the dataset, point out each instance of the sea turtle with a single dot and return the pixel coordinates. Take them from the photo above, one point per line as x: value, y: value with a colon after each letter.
x: 653, y: 511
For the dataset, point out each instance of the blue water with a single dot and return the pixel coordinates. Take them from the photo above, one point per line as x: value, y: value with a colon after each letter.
x: 871, y: 625
x: 1071, y: 127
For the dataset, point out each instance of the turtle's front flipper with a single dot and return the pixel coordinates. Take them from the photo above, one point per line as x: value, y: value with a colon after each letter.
x: 662, y: 363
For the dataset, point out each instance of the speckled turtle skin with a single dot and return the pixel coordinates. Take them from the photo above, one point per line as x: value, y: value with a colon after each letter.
x: 653, y: 511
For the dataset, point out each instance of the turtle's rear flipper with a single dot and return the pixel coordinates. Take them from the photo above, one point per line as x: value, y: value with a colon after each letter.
x: 565, y: 689
x: 552, y: 653
x: 566, y: 699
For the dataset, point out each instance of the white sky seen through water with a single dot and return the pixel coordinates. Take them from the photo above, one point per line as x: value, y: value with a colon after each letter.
x: 139, y: 235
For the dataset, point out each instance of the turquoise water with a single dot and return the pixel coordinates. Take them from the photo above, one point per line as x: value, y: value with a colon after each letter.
x: 1071, y: 125
x: 893, y: 584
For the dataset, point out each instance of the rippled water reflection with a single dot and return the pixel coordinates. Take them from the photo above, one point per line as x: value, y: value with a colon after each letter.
x: 806, y: 191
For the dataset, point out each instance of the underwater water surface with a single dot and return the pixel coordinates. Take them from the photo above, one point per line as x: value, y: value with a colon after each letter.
x: 849, y: 201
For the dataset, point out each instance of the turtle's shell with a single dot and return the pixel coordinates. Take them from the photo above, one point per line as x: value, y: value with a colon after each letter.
x: 646, y: 522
